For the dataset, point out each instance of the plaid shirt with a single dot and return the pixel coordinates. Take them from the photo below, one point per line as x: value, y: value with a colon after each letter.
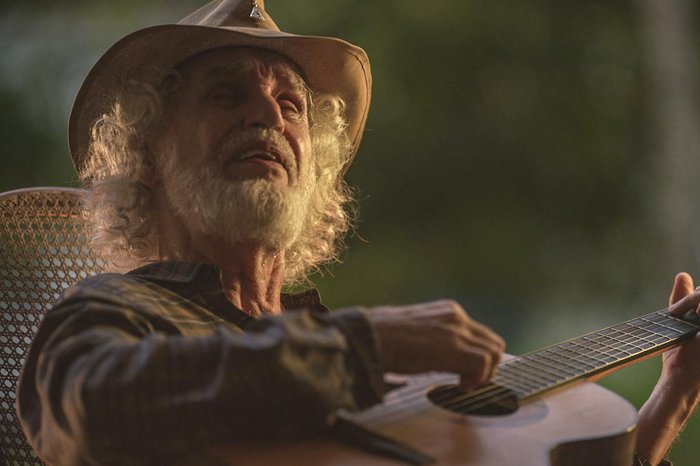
x: 147, y: 367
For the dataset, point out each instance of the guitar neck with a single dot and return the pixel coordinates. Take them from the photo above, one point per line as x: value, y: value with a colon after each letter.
x: 573, y: 360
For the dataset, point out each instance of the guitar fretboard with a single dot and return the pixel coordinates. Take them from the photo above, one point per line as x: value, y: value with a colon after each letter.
x: 534, y: 373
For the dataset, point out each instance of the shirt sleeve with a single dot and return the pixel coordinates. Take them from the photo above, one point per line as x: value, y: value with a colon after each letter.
x: 105, y: 384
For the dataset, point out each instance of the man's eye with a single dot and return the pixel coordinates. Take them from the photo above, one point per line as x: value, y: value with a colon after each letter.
x: 226, y: 94
x: 291, y: 107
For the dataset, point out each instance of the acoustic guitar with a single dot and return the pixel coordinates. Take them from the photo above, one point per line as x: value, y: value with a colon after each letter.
x: 538, y: 410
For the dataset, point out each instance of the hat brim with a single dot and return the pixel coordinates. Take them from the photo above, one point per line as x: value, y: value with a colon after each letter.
x: 329, y: 65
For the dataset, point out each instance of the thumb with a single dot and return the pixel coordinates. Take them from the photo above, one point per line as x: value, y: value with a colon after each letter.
x: 682, y: 286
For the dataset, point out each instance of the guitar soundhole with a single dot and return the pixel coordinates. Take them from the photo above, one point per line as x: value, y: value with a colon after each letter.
x: 492, y: 400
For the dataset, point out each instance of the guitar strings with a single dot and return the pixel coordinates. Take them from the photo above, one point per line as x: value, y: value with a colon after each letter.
x: 470, y: 403
x: 492, y: 393
x: 475, y: 399
x: 402, y: 404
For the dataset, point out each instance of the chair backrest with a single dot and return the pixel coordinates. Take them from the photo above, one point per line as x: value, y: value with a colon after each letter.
x: 43, y: 250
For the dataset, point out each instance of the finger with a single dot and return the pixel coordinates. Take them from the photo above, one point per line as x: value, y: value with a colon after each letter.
x: 469, y: 382
x: 686, y: 304
x: 477, y: 366
x: 484, y: 332
x: 689, y: 302
x: 466, y: 383
x: 444, y: 310
x: 494, y: 349
x: 682, y: 286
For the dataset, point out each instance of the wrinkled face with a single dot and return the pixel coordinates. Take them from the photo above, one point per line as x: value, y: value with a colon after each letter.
x: 228, y: 91
x: 234, y: 152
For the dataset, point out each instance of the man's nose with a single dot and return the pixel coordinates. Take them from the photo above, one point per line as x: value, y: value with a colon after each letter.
x: 264, y: 112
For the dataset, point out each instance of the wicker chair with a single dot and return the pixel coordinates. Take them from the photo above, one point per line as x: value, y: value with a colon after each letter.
x: 43, y: 249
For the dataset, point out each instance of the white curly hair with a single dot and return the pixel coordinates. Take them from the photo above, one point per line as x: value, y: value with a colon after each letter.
x: 120, y: 206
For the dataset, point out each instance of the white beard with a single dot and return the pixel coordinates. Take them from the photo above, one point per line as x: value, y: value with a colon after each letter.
x: 255, y: 210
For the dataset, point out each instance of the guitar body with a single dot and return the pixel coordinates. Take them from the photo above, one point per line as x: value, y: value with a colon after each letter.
x: 584, y: 424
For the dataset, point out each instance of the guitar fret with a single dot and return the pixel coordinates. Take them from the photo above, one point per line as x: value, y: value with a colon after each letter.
x: 545, y: 363
x: 623, y: 340
x: 666, y: 332
x: 520, y: 392
x: 537, y: 376
x: 623, y: 328
x: 573, y: 350
x: 679, y: 325
x: 618, y: 336
x: 518, y: 385
x: 658, y: 329
x: 626, y: 338
x: 535, y: 372
x: 569, y: 356
x: 641, y: 343
x: 515, y: 387
x: 543, y: 371
x: 602, y: 350
x: 651, y: 338
x: 672, y: 323
x: 515, y: 372
x: 649, y: 334
x: 557, y: 356
x: 656, y: 316
x: 606, y: 340
x: 644, y: 333
x: 594, y: 344
x: 629, y: 348
x: 572, y: 370
x: 611, y: 346
x: 590, y: 354
x: 664, y: 324
x: 619, y: 354
x: 628, y: 343
x: 652, y: 330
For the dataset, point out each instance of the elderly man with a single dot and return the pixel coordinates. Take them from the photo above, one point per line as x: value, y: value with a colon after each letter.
x: 213, y: 152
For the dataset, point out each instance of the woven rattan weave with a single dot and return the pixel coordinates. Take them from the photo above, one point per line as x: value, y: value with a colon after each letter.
x: 43, y: 249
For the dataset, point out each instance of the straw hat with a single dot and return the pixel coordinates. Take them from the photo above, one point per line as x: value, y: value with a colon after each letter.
x: 329, y: 65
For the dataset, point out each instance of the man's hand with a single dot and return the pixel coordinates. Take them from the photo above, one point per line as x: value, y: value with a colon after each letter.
x: 677, y: 392
x: 437, y: 336
x: 681, y: 366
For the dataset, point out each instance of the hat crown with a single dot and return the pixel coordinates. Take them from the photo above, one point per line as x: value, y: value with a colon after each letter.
x: 232, y: 13
x: 330, y: 65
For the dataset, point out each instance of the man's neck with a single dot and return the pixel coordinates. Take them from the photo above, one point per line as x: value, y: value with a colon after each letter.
x: 252, y: 276
x: 253, y: 280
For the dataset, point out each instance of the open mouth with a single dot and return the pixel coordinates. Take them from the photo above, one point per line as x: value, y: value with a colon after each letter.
x: 262, y: 152
x: 257, y: 154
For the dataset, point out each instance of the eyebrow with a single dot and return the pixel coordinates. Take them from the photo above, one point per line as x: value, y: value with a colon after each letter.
x: 223, y: 70
x: 293, y: 77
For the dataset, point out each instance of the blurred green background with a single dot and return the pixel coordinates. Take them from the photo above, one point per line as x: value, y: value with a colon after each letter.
x: 534, y: 160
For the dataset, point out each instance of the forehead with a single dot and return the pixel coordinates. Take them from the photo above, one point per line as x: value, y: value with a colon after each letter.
x: 225, y: 62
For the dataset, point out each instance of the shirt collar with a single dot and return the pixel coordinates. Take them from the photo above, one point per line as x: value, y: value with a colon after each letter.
x: 178, y: 276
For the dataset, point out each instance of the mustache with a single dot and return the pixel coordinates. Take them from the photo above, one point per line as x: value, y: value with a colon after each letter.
x: 232, y: 145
